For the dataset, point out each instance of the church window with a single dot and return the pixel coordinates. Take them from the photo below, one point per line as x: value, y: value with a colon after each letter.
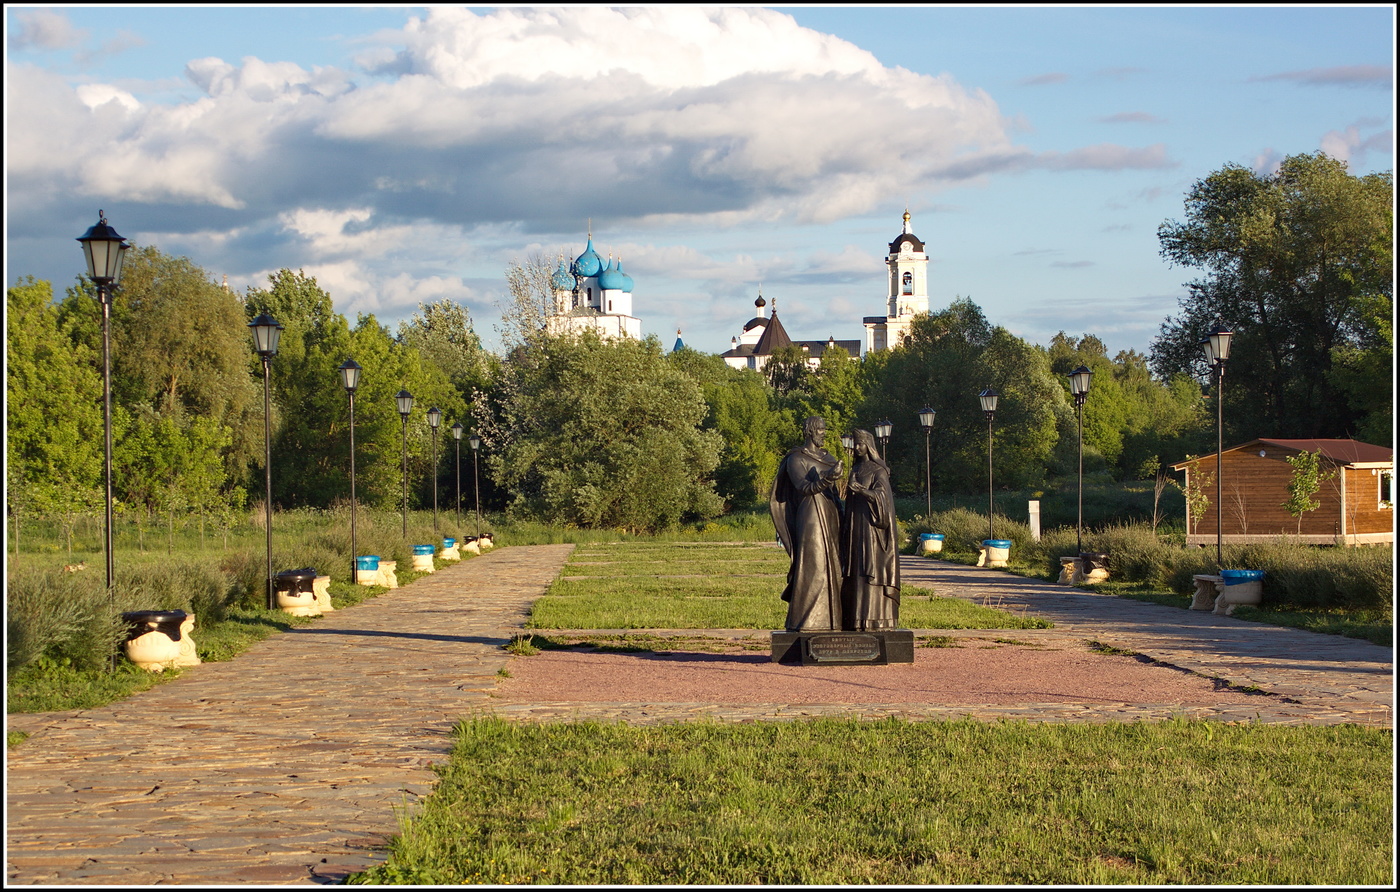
x: 908, y: 283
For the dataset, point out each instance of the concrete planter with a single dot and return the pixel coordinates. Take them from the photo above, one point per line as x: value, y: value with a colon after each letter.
x: 159, y: 639
x: 471, y: 544
x: 931, y: 543
x: 423, y: 559
x: 367, y: 569
x: 994, y: 553
x: 449, y: 550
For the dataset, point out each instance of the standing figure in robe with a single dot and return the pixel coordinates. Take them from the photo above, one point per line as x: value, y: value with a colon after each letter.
x: 807, y: 516
x: 870, y: 546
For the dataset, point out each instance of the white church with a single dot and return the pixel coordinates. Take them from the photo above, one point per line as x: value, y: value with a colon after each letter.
x: 592, y: 296
x: 907, y: 264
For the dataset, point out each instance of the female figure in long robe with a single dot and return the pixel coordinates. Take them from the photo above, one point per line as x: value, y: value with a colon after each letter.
x: 870, y: 546
x: 807, y: 516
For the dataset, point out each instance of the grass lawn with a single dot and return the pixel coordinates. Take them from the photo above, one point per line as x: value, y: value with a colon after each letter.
x: 713, y: 586
x: 836, y: 801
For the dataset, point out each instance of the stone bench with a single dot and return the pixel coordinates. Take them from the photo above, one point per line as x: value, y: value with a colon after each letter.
x: 1214, y: 595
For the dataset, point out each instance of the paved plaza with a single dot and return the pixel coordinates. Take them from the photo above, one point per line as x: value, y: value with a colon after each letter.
x: 291, y: 763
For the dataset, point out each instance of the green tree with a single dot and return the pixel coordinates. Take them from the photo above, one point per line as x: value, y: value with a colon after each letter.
x: 1303, y: 485
x: 442, y: 334
x: 589, y: 432
x: 743, y: 410
x: 949, y: 357
x: 311, y: 458
x: 1299, y: 264
x: 53, y: 412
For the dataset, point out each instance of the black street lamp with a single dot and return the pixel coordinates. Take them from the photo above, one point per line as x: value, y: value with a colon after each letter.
x: 882, y: 433
x: 989, y: 406
x: 104, y: 250
x: 926, y: 416
x: 405, y: 401
x: 457, y: 435
x: 475, y: 442
x: 848, y: 442
x: 1216, y: 346
x: 1079, y: 386
x: 350, y: 377
x: 266, y: 333
x: 434, y: 419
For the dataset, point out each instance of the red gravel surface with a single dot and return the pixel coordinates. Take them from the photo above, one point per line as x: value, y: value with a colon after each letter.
x: 974, y: 673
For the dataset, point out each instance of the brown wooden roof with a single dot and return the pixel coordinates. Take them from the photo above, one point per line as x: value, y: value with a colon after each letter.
x: 1344, y: 452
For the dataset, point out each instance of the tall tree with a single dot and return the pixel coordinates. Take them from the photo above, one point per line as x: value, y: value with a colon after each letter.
x: 1299, y: 264
x: 442, y: 334
x: 180, y: 347
x: 53, y: 411
x: 743, y: 410
x: 590, y: 432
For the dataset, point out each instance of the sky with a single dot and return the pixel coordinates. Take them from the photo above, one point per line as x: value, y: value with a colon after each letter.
x: 406, y: 154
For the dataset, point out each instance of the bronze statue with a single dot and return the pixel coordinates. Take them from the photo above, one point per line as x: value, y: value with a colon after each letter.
x: 870, y: 543
x: 807, y: 516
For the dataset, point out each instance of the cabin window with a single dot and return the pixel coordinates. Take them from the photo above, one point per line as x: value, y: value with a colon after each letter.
x: 1386, y: 489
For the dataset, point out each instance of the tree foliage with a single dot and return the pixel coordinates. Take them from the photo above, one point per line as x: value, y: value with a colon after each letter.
x: 1303, y: 484
x: 1299, y: 264
x: 588, y: 432
x: 53, y: 404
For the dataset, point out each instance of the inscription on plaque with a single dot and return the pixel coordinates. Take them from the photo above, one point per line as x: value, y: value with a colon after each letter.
x: 843, y: 648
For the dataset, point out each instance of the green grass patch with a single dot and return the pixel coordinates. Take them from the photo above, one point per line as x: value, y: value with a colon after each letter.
x: 903, y: 803
x: 697, y: 585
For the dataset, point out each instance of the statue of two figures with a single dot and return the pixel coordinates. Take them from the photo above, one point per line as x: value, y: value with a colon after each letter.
x: 845, y: 558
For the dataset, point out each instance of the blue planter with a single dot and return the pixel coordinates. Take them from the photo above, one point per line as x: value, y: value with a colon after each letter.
x: 368, y: 562
x: 423, y: 549
x: 448, y: 542
x: 997, y: 543
x: 1235, y: 577
x: 936, y: 537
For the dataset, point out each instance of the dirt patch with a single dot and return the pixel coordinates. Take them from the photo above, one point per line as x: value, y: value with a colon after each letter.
x: 976, y: 672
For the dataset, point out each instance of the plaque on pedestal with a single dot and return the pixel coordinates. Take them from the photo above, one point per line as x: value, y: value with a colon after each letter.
x: 843, y: 648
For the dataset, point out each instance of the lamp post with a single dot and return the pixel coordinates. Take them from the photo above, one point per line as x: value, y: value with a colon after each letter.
x: 434, y: 419
x: 350, y: 377
x: 475, y: 443
x: 989, y: 406
x: 882, y: 433
x: 405, y: 401
x: 926, y: 416
x: 848, y: 442
x: 457, y: 435
x: 104, y: 250
x: 1079, y: 386
x: 266, y: 333
x: 1216, y: 346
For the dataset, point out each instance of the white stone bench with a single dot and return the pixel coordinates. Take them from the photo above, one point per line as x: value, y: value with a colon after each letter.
x: 1214, y: 595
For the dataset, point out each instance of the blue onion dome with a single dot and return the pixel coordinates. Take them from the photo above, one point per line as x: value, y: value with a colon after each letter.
x: 612, y: 278
x: 626, y: 279
x: 562, y: 280
x: 588, y: 263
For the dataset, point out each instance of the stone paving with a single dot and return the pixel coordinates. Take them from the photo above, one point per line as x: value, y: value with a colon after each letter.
x: 290, y: 764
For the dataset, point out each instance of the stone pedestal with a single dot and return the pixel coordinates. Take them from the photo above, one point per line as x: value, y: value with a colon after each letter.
x: 423, y: 563
x: 843, y: 648
x: 1069, y: 568
x: 450, y: 553
x: 321, y: 588
x: 1205, y: 591
x: 388, y: 574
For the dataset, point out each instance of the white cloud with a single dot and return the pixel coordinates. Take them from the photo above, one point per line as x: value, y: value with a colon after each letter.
x: 45, y: 29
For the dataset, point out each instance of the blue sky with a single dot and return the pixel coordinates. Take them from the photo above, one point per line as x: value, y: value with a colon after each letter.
x: 407, y: 154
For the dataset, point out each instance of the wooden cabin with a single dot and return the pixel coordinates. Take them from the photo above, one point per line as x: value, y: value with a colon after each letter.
x: 1358, y: 501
